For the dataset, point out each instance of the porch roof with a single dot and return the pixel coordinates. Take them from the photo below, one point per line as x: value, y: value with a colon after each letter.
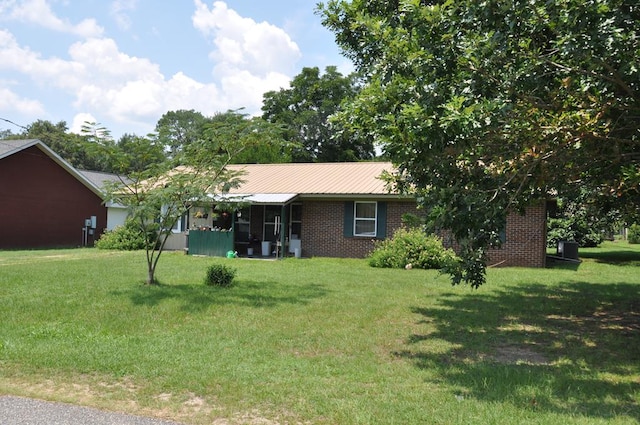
x: 257, y: 198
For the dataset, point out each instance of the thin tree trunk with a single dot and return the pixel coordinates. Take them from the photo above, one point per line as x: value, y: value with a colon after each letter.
x: 151, y: 269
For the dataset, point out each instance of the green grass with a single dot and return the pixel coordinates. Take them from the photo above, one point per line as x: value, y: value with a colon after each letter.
x: 324, y: 341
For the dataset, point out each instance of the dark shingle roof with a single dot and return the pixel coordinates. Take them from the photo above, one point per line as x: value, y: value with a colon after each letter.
x: 9, y: 147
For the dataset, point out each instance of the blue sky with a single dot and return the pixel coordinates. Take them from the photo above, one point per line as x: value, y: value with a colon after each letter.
x: 124, y: 63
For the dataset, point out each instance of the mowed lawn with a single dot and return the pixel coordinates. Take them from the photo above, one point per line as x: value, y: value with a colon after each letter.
x: 324, y: 341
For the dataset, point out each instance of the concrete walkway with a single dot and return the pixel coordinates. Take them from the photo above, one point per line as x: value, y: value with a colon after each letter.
x: 26, y: 411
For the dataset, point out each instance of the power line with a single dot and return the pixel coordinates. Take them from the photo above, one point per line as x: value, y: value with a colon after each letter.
x: 11, y: 122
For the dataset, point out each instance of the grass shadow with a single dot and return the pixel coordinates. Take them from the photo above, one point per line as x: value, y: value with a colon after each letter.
x: 197, y: 297
x: 569, y: 349
x: 619, y: 257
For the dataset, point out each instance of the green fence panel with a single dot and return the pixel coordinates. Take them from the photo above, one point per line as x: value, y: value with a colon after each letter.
x: 212, y: 243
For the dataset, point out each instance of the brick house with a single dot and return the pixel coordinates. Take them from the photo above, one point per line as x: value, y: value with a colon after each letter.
x: 336, y: 210
x: 44, y: 201
x: 525, y: 239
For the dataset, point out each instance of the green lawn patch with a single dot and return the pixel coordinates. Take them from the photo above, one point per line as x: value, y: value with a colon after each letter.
x: 324, y: 341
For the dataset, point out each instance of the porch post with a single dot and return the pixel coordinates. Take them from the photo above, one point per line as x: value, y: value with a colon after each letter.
x: 283, y: 227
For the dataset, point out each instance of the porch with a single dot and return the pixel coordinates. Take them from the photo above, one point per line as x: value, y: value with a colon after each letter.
x: 256, y: 226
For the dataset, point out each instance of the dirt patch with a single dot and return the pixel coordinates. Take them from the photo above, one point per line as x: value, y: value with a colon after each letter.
x: 512, y: 354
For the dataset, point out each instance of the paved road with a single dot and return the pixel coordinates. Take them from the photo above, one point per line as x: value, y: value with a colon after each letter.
x: 26, y: 411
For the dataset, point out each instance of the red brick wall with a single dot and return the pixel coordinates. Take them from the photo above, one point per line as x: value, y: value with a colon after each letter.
x: 41, y: 204
x: 525, y: 242
x: 526, y: 239
x: 322, y: 233
x: 322, y: 229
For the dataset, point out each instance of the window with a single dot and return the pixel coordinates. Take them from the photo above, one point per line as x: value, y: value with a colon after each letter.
x: 166, y: 215
x: 177, y: 228
x: 364, y: 219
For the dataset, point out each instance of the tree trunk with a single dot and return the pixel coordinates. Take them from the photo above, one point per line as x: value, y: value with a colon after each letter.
x: 151, y: 276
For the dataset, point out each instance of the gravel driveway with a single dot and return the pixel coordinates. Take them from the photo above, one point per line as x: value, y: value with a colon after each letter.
x: 26, y: 411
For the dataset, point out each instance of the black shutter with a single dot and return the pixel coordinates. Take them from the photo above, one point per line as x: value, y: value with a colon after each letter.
x: 348, y: 219
x: 381, y: 229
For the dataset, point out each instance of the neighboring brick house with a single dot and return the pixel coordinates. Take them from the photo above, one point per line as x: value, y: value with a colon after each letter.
x: 340, y: 210
x: 44, y: 201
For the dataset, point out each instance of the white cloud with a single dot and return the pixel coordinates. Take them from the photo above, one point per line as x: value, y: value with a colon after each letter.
x: 260, y: 48
x: 13, y: 57
x: 11, y: 102
x: 250, y: 58
x: 119, y: 9
x: 79, y: 120
x: 104, y: 62
x: 38, y: 12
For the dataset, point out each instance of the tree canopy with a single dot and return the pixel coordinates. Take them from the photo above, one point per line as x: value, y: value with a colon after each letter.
x: 79, y: 150
x: 304, y: 112
x: 263, y: 141
x: 177, y: 129
x: 488, y: 106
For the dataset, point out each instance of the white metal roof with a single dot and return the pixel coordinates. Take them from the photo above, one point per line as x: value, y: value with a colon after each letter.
x: 257, y: 198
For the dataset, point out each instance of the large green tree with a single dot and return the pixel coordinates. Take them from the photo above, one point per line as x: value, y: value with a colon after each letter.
x: 79, y: 150
x: 177, y: 129
x: 304, y: 110
x: 139, y: 153
x: 488, y: 106
x: 266, y: 139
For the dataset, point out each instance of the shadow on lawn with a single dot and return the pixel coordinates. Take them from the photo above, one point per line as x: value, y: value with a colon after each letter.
x: 573, y: 348
x: 620, y: 257
x: 245, y: 293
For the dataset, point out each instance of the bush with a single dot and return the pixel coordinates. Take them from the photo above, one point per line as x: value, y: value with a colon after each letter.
x: 580, y: 221
x: 220, y: 275
x: 412, y: 247
x: 126, y: 238
x: 633, y: 234
x: 573, y: 229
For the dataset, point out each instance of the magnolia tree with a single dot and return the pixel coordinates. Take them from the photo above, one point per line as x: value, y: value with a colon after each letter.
x: 488, y: 106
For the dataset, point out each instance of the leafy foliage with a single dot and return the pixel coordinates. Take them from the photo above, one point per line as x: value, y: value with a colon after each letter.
x: 176, y: 130
x: 633, y: 234
x: 220, y: 275
x: 572, y: 229
x: 78, y: 150
x: 578, y: 221
x: 304, y: 111
x: 265, y: 139
x: 488, y: 106
x: 158, y: 196
x: 412, y: 247
x: 128, y: 237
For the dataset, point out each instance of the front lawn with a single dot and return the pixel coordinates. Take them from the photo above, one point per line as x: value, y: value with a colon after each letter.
x: 324, y: 341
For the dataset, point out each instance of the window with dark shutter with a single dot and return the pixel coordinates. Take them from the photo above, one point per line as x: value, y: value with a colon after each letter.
x: 365, y: 219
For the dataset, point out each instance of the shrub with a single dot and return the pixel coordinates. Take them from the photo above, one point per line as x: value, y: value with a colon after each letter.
x: 220, y: 275
x: 573, y: 229
x: 633, y: 234
x: 579, y: 220
x: 411, y: 247
x: 128, y: 237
